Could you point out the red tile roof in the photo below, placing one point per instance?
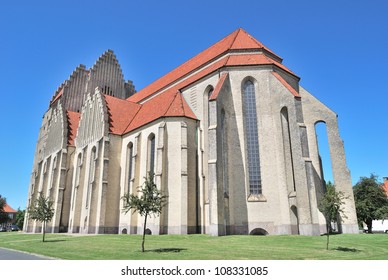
(121, 113)
(385, 187)
(232, 45)
(218, 87)
(126, 116)
(168, 104)
(9, 209)
(73, 122)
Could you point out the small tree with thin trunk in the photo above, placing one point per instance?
(331, 207)
(41, 210)
(150, 201)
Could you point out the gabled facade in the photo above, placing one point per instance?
(229, 134)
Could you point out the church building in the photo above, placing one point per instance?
(229, 136)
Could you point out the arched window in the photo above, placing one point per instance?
(92, 173)
(208, 104)
(252, 137)
(77, 178)
(53, 167)
(129, 164)
(287, 146)
(224, 150)
(151, 154)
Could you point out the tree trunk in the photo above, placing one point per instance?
(369, 224)
(44, 229)
(328, 235)
(144, 232)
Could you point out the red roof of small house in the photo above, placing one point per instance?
(9, 209)
(237, 49)
(385, 186)
(73, 122)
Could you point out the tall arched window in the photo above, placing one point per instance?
(288, 157)
(151, 154)
(77, 178)
(224, 153)
(252, 137)
(208, 105)
(92, 173)
(129, 164)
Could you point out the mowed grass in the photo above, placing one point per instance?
(200, 247)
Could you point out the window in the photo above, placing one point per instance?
(252, 137)
(224, 153)
(129, 164)
(54, 166)
(77, 178)
(151, 154)
(208, 105)
(92, 171)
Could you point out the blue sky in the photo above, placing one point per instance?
(338, 48)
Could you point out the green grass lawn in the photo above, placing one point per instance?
(200, 247)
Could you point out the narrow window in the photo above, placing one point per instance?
(151, 154)
(53, 167)
(129, 164)
(208, 105)
(287, 146)
(77, 179)
(252, 137)
(92, 171)
(224, 153)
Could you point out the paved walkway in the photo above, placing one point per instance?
(6, 254)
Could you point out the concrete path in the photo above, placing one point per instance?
(6, 254)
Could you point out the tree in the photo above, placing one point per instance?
(3, 216)
(331, 207)
(149, 201)
(20, 217)
(371, 200)
(41, 210)
(3, 202)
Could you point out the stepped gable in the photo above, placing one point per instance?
(74, 85)
(121, 113)
(237, 49)
(73, 119)
(106, 74)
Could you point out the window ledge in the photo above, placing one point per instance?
(257, 198)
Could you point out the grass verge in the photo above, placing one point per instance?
(200, 247)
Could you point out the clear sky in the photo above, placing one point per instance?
(338, 48)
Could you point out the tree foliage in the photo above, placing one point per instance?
(3, 202)
(41, 210)
(3, 216)
(149, 201)
(20, 217)
(331, 207)
(371, 200)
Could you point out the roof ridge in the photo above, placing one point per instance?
(134, 116)
(172, 102)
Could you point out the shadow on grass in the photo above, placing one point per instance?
(344, 249)
(55, 240)
(166, 250)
